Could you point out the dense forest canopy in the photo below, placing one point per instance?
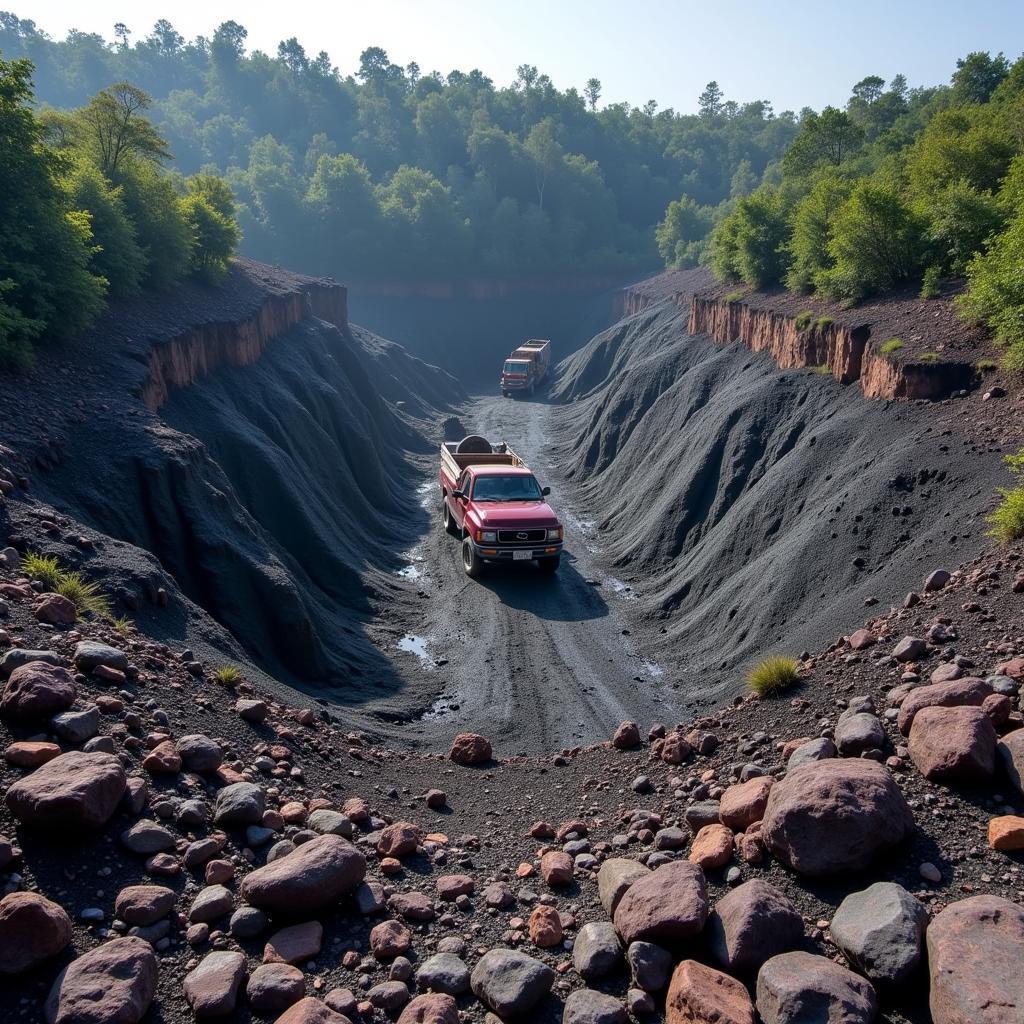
(387, 170)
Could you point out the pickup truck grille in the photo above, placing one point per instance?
(521, 536)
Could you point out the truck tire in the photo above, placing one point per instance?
(471, 561)
(549, 566)
(447, 519)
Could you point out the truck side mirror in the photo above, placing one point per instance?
(545, 491)
(458, 494)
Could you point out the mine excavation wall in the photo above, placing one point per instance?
(193, 355)
(847, 351)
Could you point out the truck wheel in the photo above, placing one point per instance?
(447, 520)
(471, 561)
(549, 566)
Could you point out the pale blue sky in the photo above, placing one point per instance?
(792, 52)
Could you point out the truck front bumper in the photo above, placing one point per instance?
(508, 552)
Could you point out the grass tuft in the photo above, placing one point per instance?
(734, 296)
(803, 320)
(986, 365)
(228, 675)
(121, 623)
(84, 595)
(821, 368)
(928, 357)
(44, 568)
(822, 322)
(1007, 522)
(774, 674)
(892, 345)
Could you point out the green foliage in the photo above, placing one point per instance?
(887, 348)
(122, 623)
(877, 242)
(822, 322)
(44, 568)
(822, 369)
(804, 319)
(930, 283)
(986, 365)
(812, 231)
(977, 76)
(773, 675)
(749, 244)
(114, 131)
(995, 296)
(85, 595)
(735, 295)
(208, 207)
(1007, 521)
(165, 235)
(46, 285)
(228, 675)
(830, 138)
(680, 236)
(928, 357)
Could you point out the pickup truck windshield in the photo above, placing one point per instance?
(506, 488)
(516, 365)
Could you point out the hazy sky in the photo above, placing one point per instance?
(791, 52)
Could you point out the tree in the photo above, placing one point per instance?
(46, 286)
(544, 151)
(960, 221)
(877, 242)
(680, 236)
(829, 137)
(709, 103)
(292, 55)
(208, 207)
(116, 130)
(977, 76)
(163, 233)
(813, 220)
(526, 77)
(122, 32)
(743, 181)
(227, 47)
(868, 89)
(592, 91)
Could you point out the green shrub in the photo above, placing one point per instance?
(1007, 521)
(83, 594)
(228, 675)
(985, 365)
(892, 345)
(122, 623)
(735, 296)
(928, 357)
(803, 320)
(749, 244)
(822, 368)
(930, 283)
(773, 675)
(822, 322)
(44, 568)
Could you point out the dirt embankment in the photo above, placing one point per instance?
(254, 444)
(897, 347)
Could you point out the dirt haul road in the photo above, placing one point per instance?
(535, 663)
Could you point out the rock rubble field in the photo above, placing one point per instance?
(176, 845)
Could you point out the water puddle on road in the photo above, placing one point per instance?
(413, 569)
(654, 670)
(620, 589)
(417, 645)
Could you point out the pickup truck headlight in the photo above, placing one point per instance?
(486, 537)
(555, 534)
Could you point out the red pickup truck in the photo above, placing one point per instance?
(493, 502)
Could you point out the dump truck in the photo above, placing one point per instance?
(526, 368)
(492, 502)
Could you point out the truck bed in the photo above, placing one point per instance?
(455, 463)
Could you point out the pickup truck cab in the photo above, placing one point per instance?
(491, 499)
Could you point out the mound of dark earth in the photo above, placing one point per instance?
(243, 445)
(756, 510)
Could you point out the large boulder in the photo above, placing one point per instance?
(974, 957)
(752, 923)
(702, 995)
(435, 1008)
(510, 982)
(469, 748)
(969, 692)
(74, 791)
(241, 803)
(32, 929)
(744, 803)
(596, 951)
(801, 988)
(90, 654)
(666, 905)
(953, 744)
(111, 984)
(309, 878)
(37, 690)
(879, 930)
(144, 904)
(1011, 753)
(211, 989)
(616, 875)
(838, 815)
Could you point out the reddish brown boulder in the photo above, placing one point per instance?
(390, 939)
(163, 759)
(1006, 832)
(143, 904)
(665, 905)
(961, 692)
(711, 847)
(314, 875)
(212, 988)
(75, 791)
(32, 929)
(702, 995)
(114, 982)
(626, 736)
(743, 804)
(545, 927)
(296, 944)
(953, 744)
(37, 690)
(826, 817)
(433, 1008)
(275, 987)
(469, 748)
(974, 957)
(31, 753)
(676, 749)
(311, 1011)
(55, 609)
(451, 887)
(398, 840)
(752, 923)
(556, 867)
(862, 638)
